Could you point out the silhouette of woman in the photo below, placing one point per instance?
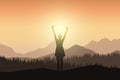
(59, 53)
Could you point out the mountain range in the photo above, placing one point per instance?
(104, 46)
(75, 50)
(41, 51)
(8, 51)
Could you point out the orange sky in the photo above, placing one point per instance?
(26, 24)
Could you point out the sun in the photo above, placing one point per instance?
(60, 28)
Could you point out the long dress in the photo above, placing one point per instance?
(59, 49)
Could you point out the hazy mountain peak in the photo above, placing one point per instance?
(76, 45)
(92, 41)
(1, 45)
(104, 46)
(8, 51)
(104, 40)
(77, 50)
(42, 51)
(114, 40)
(51, 45)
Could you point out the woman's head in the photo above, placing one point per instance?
(59, 36)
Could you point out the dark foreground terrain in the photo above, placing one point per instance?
(84, 73)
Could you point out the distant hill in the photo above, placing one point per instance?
(41, 51)
(104, 46)
(8, 51)
(77, 50)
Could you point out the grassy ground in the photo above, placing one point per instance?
(84, 73)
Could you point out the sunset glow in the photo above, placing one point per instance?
(25, 25)
(60, 29)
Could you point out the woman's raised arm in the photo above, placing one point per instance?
(54, 32)
(65, 33)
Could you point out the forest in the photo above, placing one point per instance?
(17, 64)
